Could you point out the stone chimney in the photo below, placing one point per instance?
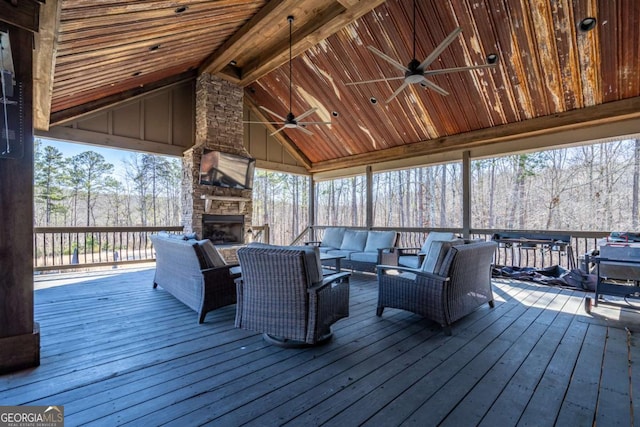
(219, 115)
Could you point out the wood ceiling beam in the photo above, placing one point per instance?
(280, 136)
(329, 20)
(44, 62)
(575, 119)
(303, 38)
(336, 17)
(60, 117)
(23, 14)
(221, 58)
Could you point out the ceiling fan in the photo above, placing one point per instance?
(291, 121)
(416, 72)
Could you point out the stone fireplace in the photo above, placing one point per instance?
(219, 115)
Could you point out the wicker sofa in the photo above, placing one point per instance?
(194, 273)
(451, 283)
(362, 250)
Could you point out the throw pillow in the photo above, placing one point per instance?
(437, 252)
(435, 235)
(214, 259)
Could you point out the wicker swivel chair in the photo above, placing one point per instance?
(461, 284)
(284, 295)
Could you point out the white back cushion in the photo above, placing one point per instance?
(435, 235)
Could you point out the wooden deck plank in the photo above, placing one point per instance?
(365, 340)
(160, 377)
(381, 394)
(614, 400)
(115, 349)
(474, 405)
(580, 401)
(434, 410)
(424, 382)
(544, 406)
(515, 396)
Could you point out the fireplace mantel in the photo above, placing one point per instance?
(209, 198)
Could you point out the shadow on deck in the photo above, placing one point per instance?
(115, 351)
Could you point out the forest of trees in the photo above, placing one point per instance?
(82, 190)
(587, 188)
(591, 188)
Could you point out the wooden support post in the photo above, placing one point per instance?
(369, 178)
(312, 207)
(19, 334)
(466, 194)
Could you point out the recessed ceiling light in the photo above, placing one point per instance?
(154, 47)
(492, 58)
(136, 74)
(181, 9)
(373, 100)
(335, 113)
(233, 62)
(587, 24)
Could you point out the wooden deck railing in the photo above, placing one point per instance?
(63, 248)
(539, 256)
(58, 248)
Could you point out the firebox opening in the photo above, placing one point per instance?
(223, 229)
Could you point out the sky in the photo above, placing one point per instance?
(113, 156)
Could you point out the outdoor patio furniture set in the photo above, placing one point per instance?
(284, 292)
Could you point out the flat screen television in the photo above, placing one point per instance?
(226, 170)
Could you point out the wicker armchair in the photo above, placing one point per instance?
(462, 283)
(283, 294)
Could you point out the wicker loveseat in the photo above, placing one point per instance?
(458, 283)
(362, 249)
(194, 273)
(284, 295)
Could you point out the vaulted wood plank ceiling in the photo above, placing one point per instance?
(548, 72)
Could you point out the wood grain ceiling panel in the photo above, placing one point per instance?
(546, 67)
(107, 47)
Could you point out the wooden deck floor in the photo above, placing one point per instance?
(115, 351)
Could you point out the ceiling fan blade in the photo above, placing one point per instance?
(273, 114)
(441, 47)
(405, 84)
(271, 123)
(458, 69)
(315, 123)
(279, 130)
(306, 113)
(434, 87)
(387, 58)
(386, 79)
(308, 132)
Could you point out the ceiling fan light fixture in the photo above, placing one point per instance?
(587, 24)
(291, 121)
(492, 58)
